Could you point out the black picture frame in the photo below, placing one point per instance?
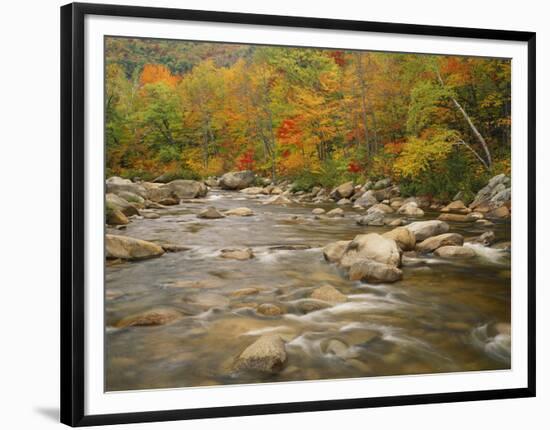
(73, 212)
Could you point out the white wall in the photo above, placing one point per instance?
(29, 238)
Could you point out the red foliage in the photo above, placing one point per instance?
(246, 160)
(354, 167)
(338, 57)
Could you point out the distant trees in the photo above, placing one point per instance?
(293, 112)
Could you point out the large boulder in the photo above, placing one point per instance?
(387, 193)
(404, 238)
(129, 248)
(455, 252)
(501, 212)
(116, 217)
(372, 271)
(410, 209)
(115, 202)
(374, 247)
(496, 193)
(366, 200)
(343, 191)
(187, 189)
(115, 185)
(432, 243)
(457, 206)
(424, 229)
(159, 193)
(267, 354)
(334, 251)
(237, 180)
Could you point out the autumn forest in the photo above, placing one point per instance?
(437, 124)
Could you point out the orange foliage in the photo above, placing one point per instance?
(153, 73)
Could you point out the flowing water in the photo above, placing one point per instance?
(439, 318)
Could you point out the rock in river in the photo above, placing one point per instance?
(366, 200)
(186, 189)
(374, 219)
(152, 317)
(318, 211)
(337, 212)
(328, 293)
(404, 238)
(410, 209)
(455, 252)
(334, 251)
(210, 213)
(116, 202)
(269, 309)
(267, 354)
(128, 248)
(278, 199)
(453, 217)
(237, 180)
(446, 239)
(116, 217)
(424, 229)
(239, 212)
(374, 247)
(237, 253)
(372, 271)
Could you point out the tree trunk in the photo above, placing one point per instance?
(477, 134)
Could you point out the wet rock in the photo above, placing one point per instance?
(410, 209)
(113, 201)
(404, 238)
(150, 215)
(387, 193)
(267, 354)
(132, 198)
(453, 217)
(210, 213)
(397, 202)
(237, 253)
(380, 208)
(455, 252)
(269, 309)
(343, 202)
(337, 212)
(339, 348)
(424, 229)
(371, 246)
(171, 247)
(128, 248)
(169, 201)
(158, 193)
(343, 191)
(211, 182)
(396, 222)
(506, 246)
(372, 271)
(239, 212)
(237, 180)
(278, 200)
(373, 219)
(250, 291)
(366, 200)
(334, 251)
(473, 216)
(152, 317)
(446, 239)
(311, 305)
(187, 189)
(493, 195)
(486, 239)
(318, 211)
(484, 223)
(327, 293)
(276, 190)
(253, 191)
(116, 217)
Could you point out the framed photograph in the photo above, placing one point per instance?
(270, 214)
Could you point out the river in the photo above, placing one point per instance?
(439, 318)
